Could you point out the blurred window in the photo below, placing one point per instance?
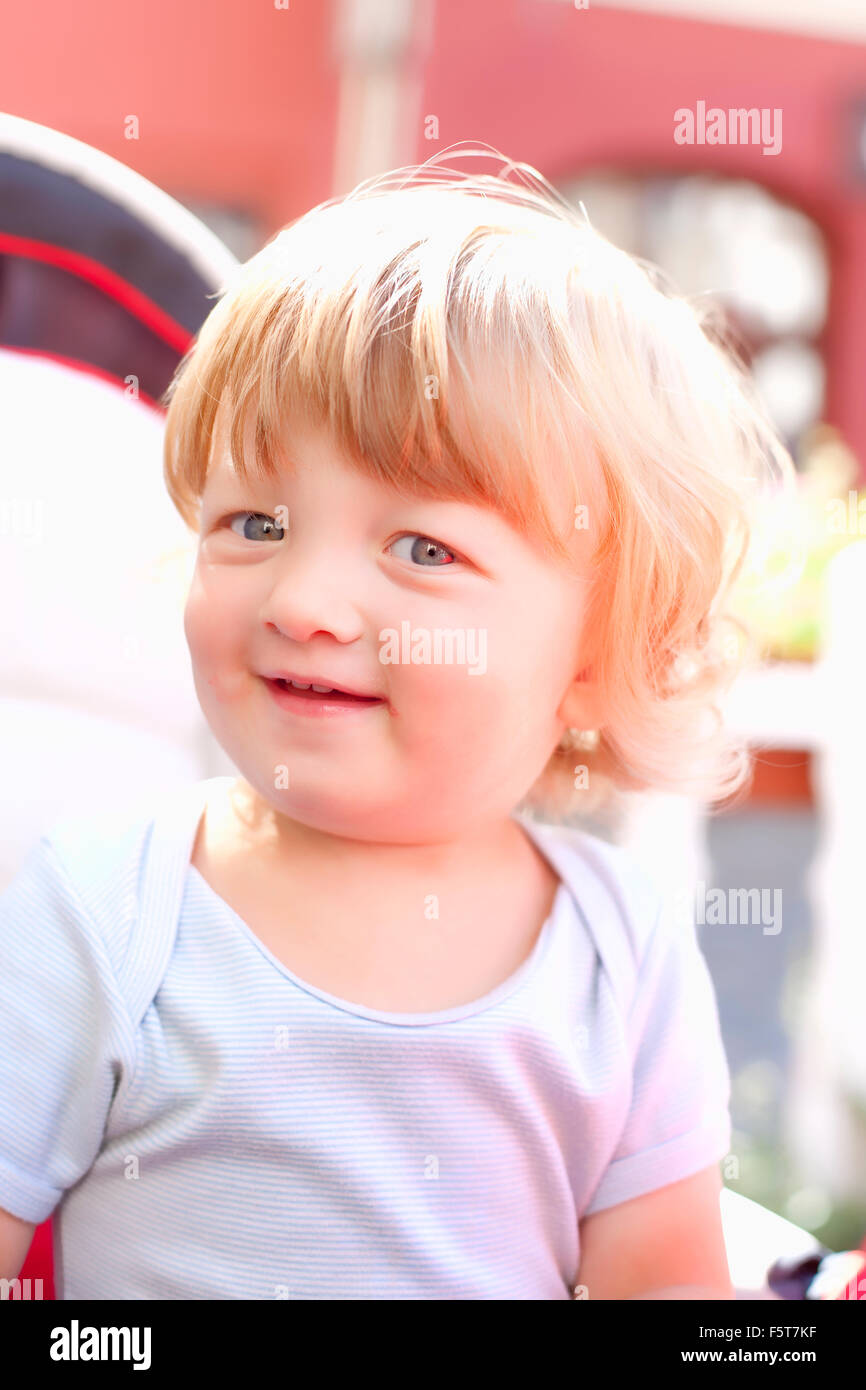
(762, 259)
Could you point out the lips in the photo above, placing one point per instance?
(332, 696)
(333, 688)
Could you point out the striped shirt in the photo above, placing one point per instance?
(204, 1124)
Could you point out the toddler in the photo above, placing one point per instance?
(375, 1019)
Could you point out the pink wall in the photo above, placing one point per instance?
(236, 100)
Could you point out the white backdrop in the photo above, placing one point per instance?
(97, 702)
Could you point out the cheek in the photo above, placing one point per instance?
(518, 688)
(484, 675)
(213, 639)
(198, 622)
(464, 705)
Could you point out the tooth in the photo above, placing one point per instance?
(323, 689)
(299, 685)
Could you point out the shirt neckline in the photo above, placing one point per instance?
(473, 1006)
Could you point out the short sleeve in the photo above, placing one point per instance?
(65, 1036)
(679, 1117)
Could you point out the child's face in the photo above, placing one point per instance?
(455, 743)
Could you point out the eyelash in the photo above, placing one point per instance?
(420, 535)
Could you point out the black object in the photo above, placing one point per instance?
(99, 268)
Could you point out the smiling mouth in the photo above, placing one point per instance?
(332, 697)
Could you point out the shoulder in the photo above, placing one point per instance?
(66, 921)
(96, 849)
(618, 901)
(93, 867)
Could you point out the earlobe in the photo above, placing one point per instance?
(579, 740)
(579, 709)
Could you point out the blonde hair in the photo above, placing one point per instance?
(472, 338)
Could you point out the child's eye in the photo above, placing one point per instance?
(270, 529)
(425, 550)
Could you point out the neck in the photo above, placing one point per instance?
(284, 841)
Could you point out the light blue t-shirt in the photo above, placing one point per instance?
(204, 1124)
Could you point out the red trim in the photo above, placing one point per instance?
(87, 368)
(136, 303)
(39, 1261)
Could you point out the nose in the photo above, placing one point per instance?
(311, 591)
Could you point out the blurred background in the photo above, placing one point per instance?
(724, 140)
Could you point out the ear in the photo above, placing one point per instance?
(580, 707)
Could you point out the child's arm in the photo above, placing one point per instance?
(15, 1239)
(68, 1041)
(666, 1244)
